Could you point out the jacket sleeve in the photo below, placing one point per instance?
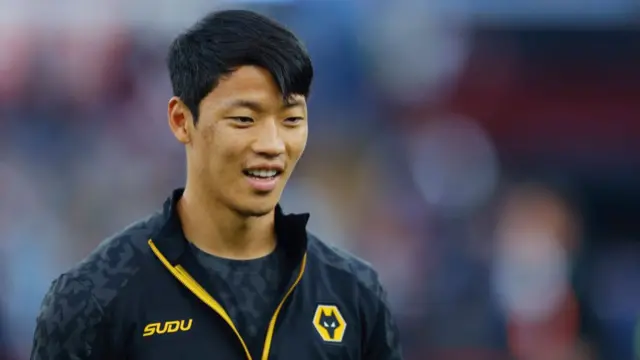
(71, 324)
(383, 342)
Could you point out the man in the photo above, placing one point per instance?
(220, 272)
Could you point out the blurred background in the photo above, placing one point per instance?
(484, 155)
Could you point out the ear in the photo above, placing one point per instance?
(180, 119)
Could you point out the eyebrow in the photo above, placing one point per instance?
(257, 107)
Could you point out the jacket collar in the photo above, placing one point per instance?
(170, 239)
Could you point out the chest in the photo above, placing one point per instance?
(173, 322)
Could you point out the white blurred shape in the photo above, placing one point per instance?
(454, 164)
(531, 275)
(418, 48)
(87, 17)
(14, 13)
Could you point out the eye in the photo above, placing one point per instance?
(244, 120)
(293, 120)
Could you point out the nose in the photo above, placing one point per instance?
(269, 142)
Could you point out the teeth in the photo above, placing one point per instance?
(263, 173)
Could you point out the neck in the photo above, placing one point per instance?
(220, 231)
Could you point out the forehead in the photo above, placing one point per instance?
(247, 84)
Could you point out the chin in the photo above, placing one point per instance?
(256, 208)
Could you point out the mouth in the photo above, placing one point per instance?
(263, 180)
(262, 174)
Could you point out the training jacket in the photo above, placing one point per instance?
(139, 295)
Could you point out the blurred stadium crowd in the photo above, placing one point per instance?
(487, 165)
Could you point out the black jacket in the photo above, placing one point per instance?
(139, 296)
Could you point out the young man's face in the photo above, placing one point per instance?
(246, 142)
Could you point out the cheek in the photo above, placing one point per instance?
(297, 144)
(217, 152)
(224, 155)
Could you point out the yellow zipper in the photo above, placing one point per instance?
(190, 283)
(274, 318)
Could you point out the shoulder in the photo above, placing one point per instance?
(76, 314)
(345, 266)
(100, 277)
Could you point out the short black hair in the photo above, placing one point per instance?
(225, 40)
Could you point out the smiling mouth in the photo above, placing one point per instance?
(262, 174)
